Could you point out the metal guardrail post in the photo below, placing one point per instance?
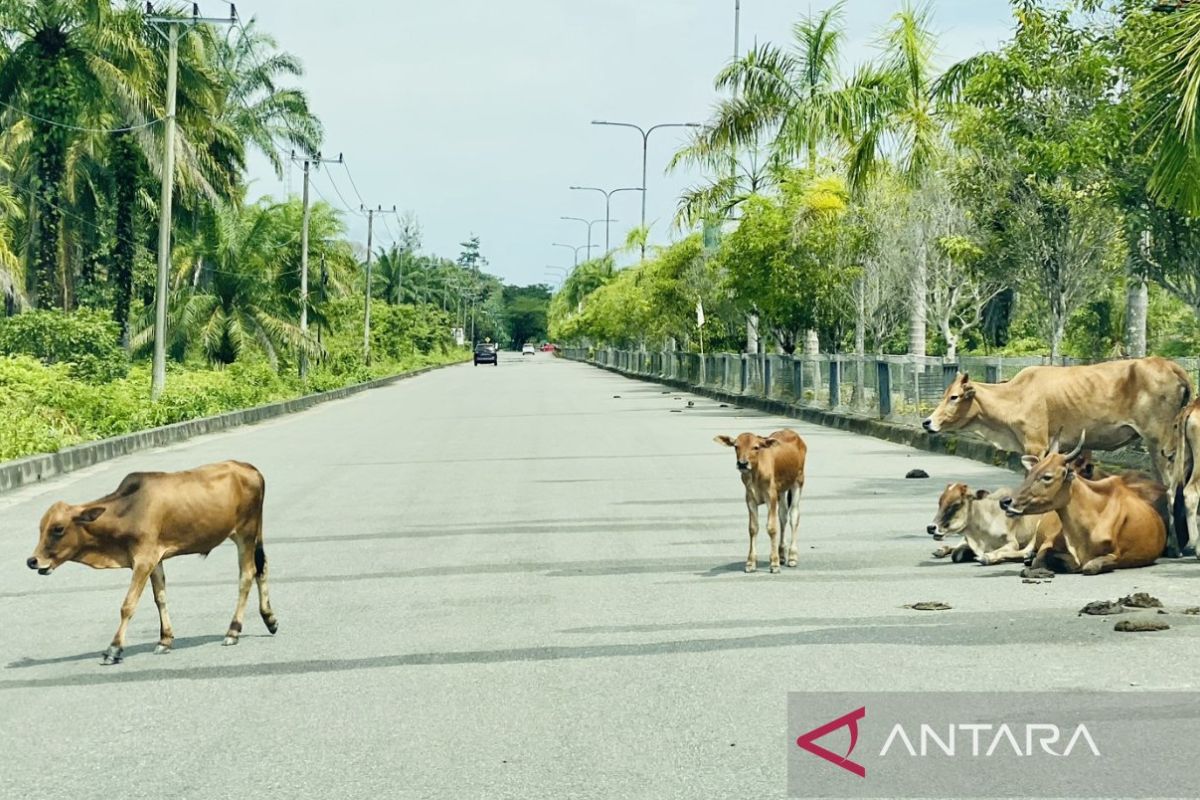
(991, 373)
(835, 383)
(949, 373)
(884, 388)
(767, 376)
(745, 372)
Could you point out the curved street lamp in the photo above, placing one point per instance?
(645, 132)
(608, 193)
(575, 249)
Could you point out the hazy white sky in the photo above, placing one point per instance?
(474, 114)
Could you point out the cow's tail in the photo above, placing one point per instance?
(1185, 380)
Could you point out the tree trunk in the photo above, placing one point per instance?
(752, 333)
(1137, 301)
(124, 251)
(1056, 337)
(916, 319)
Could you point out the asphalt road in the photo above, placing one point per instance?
(505, 582)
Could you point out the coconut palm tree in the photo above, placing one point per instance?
(892, 112)
(788, 98)
(1172, 110)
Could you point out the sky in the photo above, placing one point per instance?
(474, 115)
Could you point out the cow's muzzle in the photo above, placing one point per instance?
(743, 466)
(1006, 505)
(932, 530)
(33, 563)
(927, 424)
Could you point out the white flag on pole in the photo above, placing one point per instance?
(699, 314)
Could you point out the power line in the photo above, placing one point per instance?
(345, 205)
(353, 184)
(55, 123)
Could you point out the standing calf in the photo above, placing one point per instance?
(1182, 453)
(772, 470)
(153, 516)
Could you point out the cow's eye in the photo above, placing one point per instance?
(1047, 478)
(953, 398)
(57, 532)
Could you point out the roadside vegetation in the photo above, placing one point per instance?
(1037, 199)
(82, 104)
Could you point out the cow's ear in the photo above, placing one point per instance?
(981, 494)
(1030, 462)
(966, 379)
(89, 515)
(769, 442)
(725, 440)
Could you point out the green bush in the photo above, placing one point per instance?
(88, 341)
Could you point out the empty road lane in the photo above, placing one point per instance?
(525, 581)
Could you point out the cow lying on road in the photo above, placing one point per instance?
(989, 535)
(1116, 402)
(772, 470)
(153, 516)
(1106, 524)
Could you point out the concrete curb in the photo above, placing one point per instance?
(961, 446)
(33, 469)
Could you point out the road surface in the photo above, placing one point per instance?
(508, 582)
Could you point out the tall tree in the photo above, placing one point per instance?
(893, 114)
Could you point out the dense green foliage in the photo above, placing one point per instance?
(1034, 199)
(88, 342)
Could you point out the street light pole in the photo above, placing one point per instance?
(589, 224)
(608, 206)
(645, 132)
(575, 249)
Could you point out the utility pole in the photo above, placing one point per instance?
(158, 378)
(371, 212)
(307, 162)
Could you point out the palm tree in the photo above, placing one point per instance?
(237, 304)
(789, 98)
(69, 57)
(256, 106)
(892, 110)
(393, 266)
(1172, 110)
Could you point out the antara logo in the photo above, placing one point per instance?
(808, 741)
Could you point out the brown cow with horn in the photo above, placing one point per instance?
(1106, 524)
(1117, 402)
(153, 516)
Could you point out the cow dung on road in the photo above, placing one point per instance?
(917, 473)
(1101, 607)
(1140, 600)
(1140, 626)
(929, 605)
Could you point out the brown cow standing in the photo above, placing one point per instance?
(1117, 402)
(1106, 524)
(772, 470)
(153, 516)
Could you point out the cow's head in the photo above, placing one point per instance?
(747, 447)
(64, 532)
(953, 509)
(1047, 485)
(957, 407)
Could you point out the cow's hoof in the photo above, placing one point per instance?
(751, 567)
(162, 649)
(273, 626)
(984, 561)
(113, 655)
(1190, 550)
(774, 568)
(230, 641)
(792, 562)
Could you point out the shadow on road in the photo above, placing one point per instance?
(182, 643)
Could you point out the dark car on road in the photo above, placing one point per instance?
(486, 354)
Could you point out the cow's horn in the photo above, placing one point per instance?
(1079, 447)
(1054, 443)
